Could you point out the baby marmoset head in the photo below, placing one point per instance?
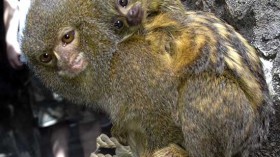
(129, 16)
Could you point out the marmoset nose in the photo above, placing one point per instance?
(135, 15)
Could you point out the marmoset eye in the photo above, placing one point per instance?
(45, 57)
(68, 37)
(118, 24)
(123, 3)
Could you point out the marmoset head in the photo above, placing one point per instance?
(67, 46)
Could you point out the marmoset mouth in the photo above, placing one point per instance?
(76, 65)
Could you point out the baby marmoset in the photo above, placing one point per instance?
(126, 16)
(168, 30)
(188, 37)
(193, 42)
(195, 97)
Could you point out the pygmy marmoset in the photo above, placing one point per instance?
(198, 97)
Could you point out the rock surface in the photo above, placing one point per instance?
(259, 22)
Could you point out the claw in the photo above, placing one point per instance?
(105, 142)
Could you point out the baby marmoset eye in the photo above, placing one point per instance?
(122, 28)
(118, 24)
(123, 3)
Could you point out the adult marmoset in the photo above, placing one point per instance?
(155, 99)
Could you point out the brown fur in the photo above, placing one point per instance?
(200, 86)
